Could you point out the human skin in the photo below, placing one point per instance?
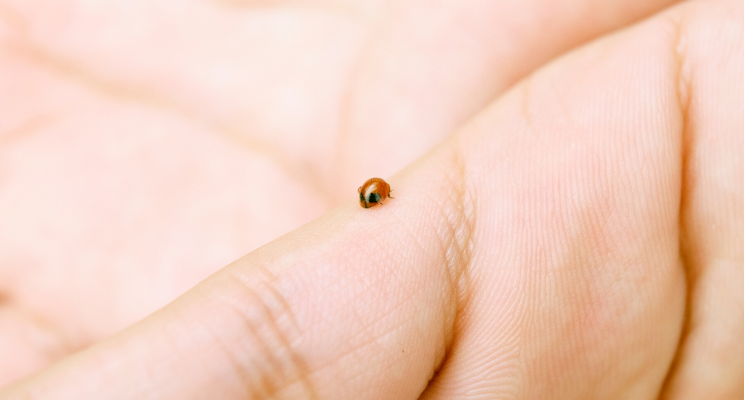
(568, 216)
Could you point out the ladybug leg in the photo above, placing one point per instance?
(391, 191)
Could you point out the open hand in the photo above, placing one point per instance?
(568, 219)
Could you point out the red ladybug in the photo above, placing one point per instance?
(373, 192)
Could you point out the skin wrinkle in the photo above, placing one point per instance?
(140, 95)
(462, 225)
(13, 19)
(684, 93)
(55, 343)
(457, 255)
(267, 277)
(244, 379)
(284, 305)
(334, 7)
(257, 386)
(298, 366)
(694, 266)
(451, 265)
(25, 129)
(72, 72)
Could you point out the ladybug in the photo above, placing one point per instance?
(373, 192)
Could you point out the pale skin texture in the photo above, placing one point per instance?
(568, 219)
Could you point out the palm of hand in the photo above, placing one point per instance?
(147, 156)
(175, 139)
(150, 146)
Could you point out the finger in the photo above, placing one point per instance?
(577, 288)
(428, 68)
(358, 304)
(711, 361)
